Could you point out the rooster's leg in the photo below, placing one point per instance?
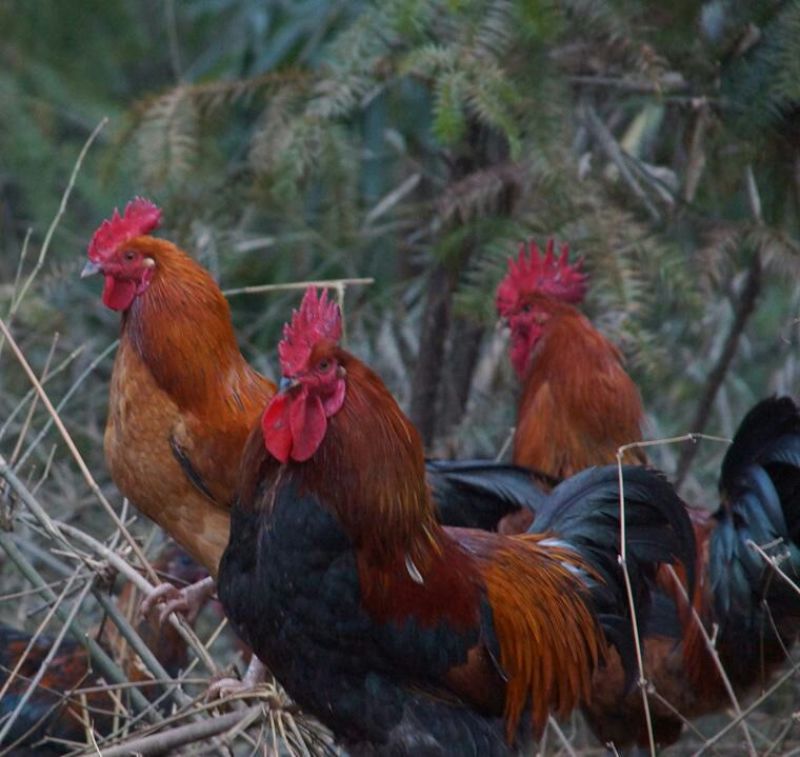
(166, 599)
(224, 687)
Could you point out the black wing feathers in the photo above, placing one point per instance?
(479, 493)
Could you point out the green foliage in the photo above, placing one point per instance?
(762, 83)
(382, 139)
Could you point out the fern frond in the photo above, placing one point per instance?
(497, 30)
(427, 60)
(481, 193)
(493, 99)
(787, 55)
(352, 62)
(168, 138)
(449, 119)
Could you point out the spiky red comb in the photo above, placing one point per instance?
(140, 217)
(318, 318)
(534, 273)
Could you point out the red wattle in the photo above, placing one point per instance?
(308, 423)
(118, 294)
(275, 428)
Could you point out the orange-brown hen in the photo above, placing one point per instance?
(182, 396)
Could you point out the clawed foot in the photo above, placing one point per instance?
(166, 599)
(225, 687)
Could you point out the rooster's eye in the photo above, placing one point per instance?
(129, 255)
(323, 365)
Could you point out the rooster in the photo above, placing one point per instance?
(578, 404)
(53, 713)
(50, 712)
(404, 636)
(576, 392)
(183, 398)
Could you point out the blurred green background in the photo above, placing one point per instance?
(418, 143)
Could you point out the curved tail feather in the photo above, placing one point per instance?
(760, 505)
(584, 511)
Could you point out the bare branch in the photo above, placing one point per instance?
(744, 309)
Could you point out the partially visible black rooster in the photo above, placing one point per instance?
(53, 714)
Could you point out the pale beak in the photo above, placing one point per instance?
(287, 383)
(90, 269)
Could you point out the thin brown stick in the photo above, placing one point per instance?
(642, 681)
(31, 393)
(747, 711)
(57, 531)
(107, 666)
(622, 559)
(32, 591)
(653, 692)
(143, 585)
(773, 563)
(67, 396)
(615, 154)
(160, 743)
(506, 444)
(712, 650)
(32, 409)
(12, 674)
(562, 737)
(332, 283)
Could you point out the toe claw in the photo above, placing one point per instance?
(179, 605)
(223, 688)
(164, 593)
(254, 676)
(165, 599)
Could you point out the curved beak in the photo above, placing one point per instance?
(90, 269)
(287, 383)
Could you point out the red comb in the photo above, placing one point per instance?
(140, 217)
(533, 273)
(317, 318)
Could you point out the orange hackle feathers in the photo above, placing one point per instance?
(578, 403)
(182, 329)
(396, 494)
(534, 273)
(550, 642)
(139, 217)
